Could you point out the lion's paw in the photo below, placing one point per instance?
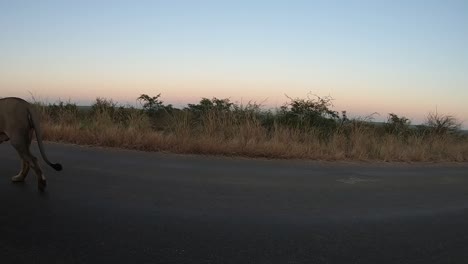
(18, 178)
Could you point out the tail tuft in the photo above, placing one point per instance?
(56, 166)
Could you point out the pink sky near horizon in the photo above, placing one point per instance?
(356, 88)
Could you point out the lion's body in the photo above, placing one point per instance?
(18, 121)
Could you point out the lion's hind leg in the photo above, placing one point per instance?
(23, 173)
(32, 162)
(22, 143)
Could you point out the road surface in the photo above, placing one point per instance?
(118, 206)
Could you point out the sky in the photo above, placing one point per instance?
(407, 57)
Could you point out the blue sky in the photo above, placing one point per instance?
(407, 57)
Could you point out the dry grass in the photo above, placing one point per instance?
(227, 134)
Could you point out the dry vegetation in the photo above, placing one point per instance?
(302, 128)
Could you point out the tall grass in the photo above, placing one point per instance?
(218, 127)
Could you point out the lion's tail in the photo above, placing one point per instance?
(37, 129)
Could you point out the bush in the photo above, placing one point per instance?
(107, 112)
(151, 105)
(399, 126)
(64, 112)
(205, 105)
(103, 106)
(311, 113)
(440, 124)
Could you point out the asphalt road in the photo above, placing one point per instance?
(117, 206)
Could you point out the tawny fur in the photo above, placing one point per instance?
(18, 121)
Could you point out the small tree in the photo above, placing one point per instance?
(205, 105)
(441, 124)
(397, 125)
(151, 105)
(103, 105)
(311, 112)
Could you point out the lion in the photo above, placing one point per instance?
(18, 120)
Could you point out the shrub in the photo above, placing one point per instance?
(64, 112)
(205, 105)
(311, 113)
(399, 126)
(103, 106)
(151, 105)
(441, 124)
